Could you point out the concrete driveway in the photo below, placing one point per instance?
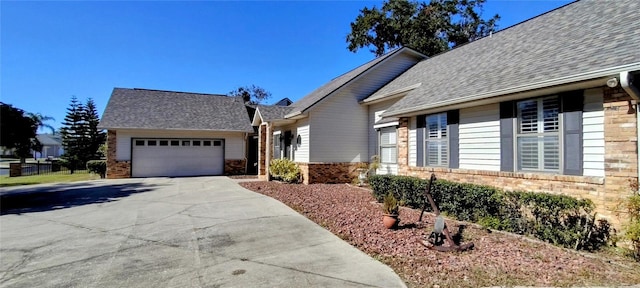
(170, 232)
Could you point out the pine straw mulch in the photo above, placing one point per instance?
(498, 258)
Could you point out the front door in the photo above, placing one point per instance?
(252, 156)
(287, 145)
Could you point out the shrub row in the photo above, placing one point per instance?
(558, 219)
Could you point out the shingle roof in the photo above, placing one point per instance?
(585, 36)
(273, 112)
(323, 91)
(49, 139)
(154, 109)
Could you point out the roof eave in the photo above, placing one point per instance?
(362, 74)
(257, 116)
(177, 129)
(529, 90)
(391, 95)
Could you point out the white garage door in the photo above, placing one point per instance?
(177, 157)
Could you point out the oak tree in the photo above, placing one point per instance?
(430, 28)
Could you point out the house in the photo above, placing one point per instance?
(549, 105)
(164, 133)
(51, 146)
(327, 131)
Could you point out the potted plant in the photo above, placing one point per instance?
(391, 211)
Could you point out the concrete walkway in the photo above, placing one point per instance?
(170, 232)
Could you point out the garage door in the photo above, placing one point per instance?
(177, 157)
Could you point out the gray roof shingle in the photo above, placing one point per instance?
(323, 91)
(154, 109)
(585, 36)
(49, 139)
(273, 112)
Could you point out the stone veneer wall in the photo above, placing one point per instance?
(328, 172)
(115, 169)
(620, 164)
(235, 166)
(262, 152)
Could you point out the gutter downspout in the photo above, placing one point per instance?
(628, 85)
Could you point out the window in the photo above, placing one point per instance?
(196, 142)
(206, 143)
(139, 142)
(151, 143)
(538, 135)
(276, 146)
(164, 143)
(436, 140)
(175, 143)
(186, 143)
(388, 151)
(217, 143)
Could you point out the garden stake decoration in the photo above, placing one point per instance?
(440, 227)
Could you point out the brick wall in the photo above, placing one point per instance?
(15, 169)
(620, 164)
(620, 144)
(262, 140)
(234, 166)
(115, 169)
(328, 172)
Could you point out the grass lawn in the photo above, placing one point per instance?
(6, 181)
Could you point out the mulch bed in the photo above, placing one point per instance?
(497, 259)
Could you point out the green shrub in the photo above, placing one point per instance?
(632, 227)
(554, 218)
(97, 166)
(285, 170)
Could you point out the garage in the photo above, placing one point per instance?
(176, 157)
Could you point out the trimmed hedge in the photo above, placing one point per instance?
(558, 219)
(97, 166)
(285, 170)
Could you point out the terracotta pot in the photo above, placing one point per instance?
(390, 221)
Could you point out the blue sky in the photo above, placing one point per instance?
(52, 50)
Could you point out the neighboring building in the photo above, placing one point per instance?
(284, 102)
(163, 133)
(51, 146)
(550, 105)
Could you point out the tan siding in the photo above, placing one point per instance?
(480, 138)
(302, 151)
(593, 133)
(413, 152)
(339, 131)
(340, 123)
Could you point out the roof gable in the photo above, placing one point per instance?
(155, 109)
(49, 139)
(582, 37)
(266, 113)
(327, 89)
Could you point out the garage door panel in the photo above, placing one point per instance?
(149, 161)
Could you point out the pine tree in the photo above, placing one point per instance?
(74, 135)
(95, 136)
